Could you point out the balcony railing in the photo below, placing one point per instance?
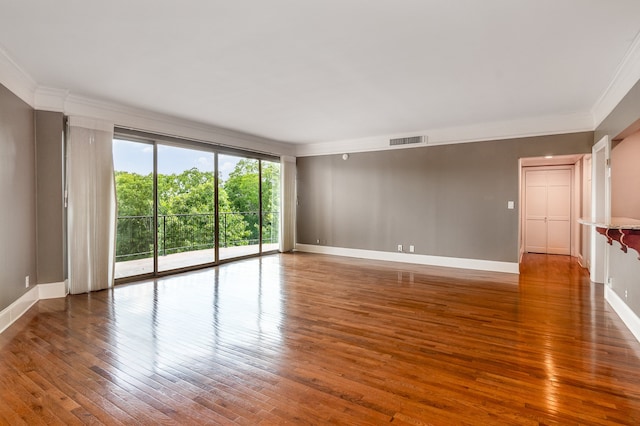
(190, 232)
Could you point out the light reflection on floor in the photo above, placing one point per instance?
(227, 310)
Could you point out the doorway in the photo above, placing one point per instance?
(547, 210)
(575, 164)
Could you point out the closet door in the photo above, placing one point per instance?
(548, 211)
(559, 212)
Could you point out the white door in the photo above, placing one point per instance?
(548, 211)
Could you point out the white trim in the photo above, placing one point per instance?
(555, 125)
(626, 76)
(139, 119)
(419, 259)
(50, 99)
(14, 311)
(52, 290)
(625, 313)
(600, 208)
(581, 261)
(14, 78)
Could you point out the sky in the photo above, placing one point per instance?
(136, 157)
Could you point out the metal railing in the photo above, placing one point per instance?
(180, 233)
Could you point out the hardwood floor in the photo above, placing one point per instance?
(311, 339)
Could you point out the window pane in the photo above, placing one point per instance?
(186, 210)
(270, 205)
(238, 204)
(133, 165)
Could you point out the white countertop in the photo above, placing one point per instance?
(612, 223)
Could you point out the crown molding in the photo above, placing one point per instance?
(17, 80)
(50, 99)
(626, 76)
(554, 125)
(140, 119)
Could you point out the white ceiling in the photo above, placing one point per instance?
(327, 70)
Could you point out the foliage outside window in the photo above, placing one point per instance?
(186, 210)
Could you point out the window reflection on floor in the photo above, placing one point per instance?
(231, 308)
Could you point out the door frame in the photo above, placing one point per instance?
(600, 208)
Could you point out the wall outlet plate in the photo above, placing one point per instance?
(400, 247)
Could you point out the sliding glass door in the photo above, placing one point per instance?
(238, 200)
(270, 195)
(186, 207)
(135, 231)
(183, 205)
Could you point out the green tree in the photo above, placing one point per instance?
(270, 202)
(186, 219)
(186, 209)
(233, 229)
(134, 195)
(242, 186)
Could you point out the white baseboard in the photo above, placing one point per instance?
(625, 313)
(10, 314)
(52, 290)
(420, 259)
(582, 262)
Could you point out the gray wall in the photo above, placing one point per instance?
(624, 268)
(50, 196)
(448, 200)
(17, 197)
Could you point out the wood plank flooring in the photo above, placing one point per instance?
(311, 339)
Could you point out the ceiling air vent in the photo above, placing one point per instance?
(407, 141)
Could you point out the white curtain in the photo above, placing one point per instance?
(287, 203)
(91, 210)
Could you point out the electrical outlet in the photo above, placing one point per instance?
(412, 249)
(626, 294)
(317, 241)
(400, 247)
(26, 281)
